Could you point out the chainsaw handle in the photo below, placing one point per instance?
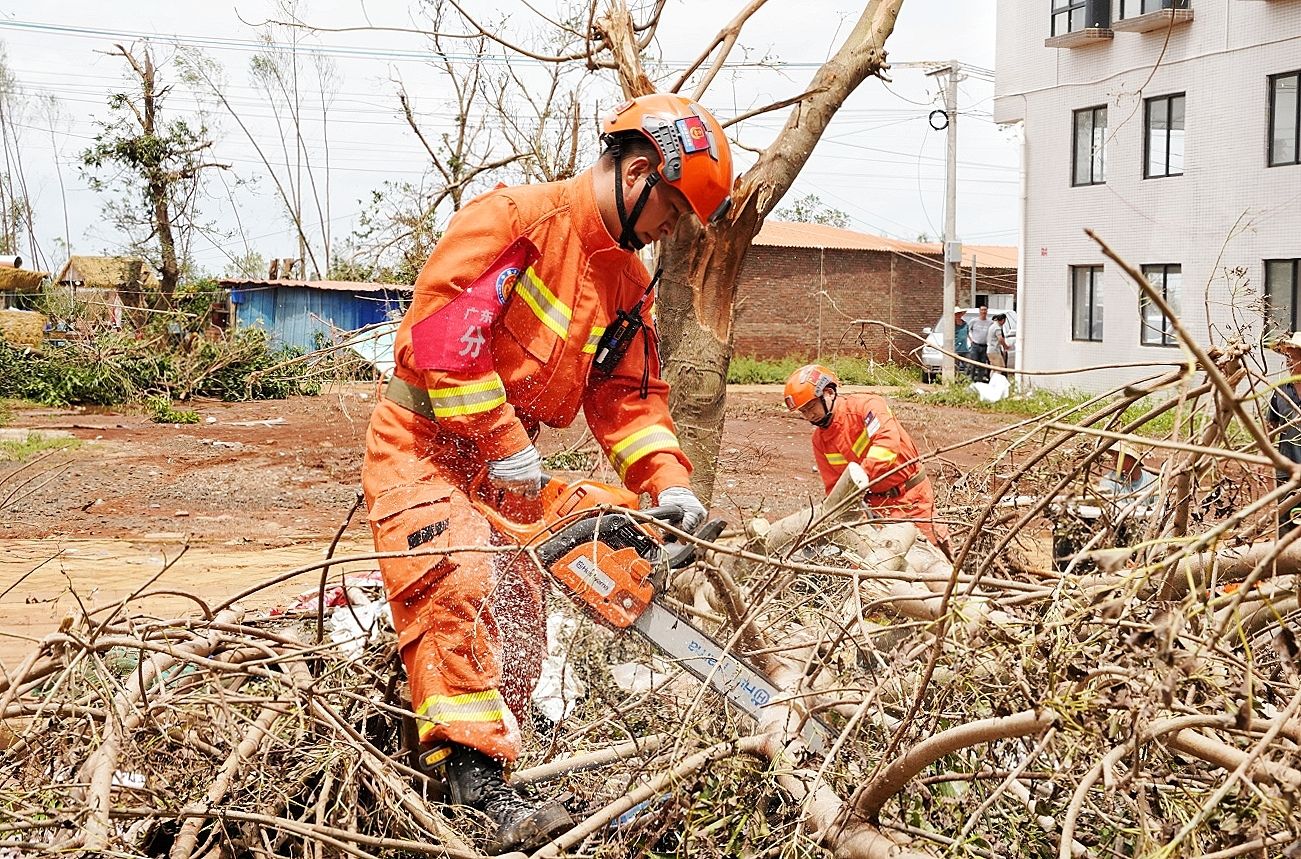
(521, 532)
(670, 513)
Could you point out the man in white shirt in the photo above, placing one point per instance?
(978, 341)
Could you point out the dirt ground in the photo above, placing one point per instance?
(260, 488)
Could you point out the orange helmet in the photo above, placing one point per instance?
(807, 384)
(697, 159)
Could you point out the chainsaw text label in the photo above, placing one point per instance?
(757, 694)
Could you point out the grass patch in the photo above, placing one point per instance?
(1033, 404)
(1068, 406)
(20, 451)
(161, 412)
(852, 371)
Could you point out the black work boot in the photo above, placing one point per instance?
(476, 781)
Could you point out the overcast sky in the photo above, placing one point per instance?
(880, 162)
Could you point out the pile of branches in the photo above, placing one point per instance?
(976, 712)
(1139, 696)
(113, 367)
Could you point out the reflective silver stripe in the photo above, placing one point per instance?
(468, 399)
(645, 441)
(545, 305)
(598, 331)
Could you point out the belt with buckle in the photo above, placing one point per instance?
(916, 480)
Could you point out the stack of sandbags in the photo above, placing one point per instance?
(22, 327)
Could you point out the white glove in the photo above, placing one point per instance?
(521, 472)
(693, 512)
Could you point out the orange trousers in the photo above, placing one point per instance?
(471, 625)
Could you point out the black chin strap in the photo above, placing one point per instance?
(826, 419)
(628, 220)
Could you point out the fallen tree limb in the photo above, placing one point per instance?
(868, 800)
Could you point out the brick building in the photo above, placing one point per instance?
(802, 286)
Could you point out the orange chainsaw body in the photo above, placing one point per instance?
(602, 557)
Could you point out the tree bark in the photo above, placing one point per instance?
(697, 291)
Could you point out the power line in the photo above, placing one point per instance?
(397, 54)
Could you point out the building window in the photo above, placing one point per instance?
(1133, 8)
(1282, 277)
(1086, 302)
(1068, 16)
(1164, 120)
(1088, 145)
(1284, 119)
(1157, 329)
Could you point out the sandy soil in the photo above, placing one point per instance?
(260, 488)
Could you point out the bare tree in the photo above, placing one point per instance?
(539, 120)
(464, 153)
(401, 222)
(396, 231)
(16, 222)
(538, 109)
(280, 72)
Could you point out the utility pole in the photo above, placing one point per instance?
(952, 247)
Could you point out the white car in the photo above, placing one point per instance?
(932, 359)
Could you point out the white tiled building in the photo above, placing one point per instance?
(1170, 127)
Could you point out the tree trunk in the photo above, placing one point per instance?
(169, 272)
(698, 290)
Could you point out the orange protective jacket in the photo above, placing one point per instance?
(471, 625)
(863, 429)
(544, 337)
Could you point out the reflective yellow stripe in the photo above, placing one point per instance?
(546, 306)
(835, 459)
(644, 441)
(468, 399)
(860, 443)
(483, 706)
(881, 454)
(594, 338)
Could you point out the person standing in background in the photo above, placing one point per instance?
(978, 337)
(961, 345)
(996, 343)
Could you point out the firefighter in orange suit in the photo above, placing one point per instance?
(534, 305)
(861, 428)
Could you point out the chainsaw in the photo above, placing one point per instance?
(615, 566)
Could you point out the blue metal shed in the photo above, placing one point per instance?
(295, 312)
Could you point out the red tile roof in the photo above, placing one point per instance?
(788, 234)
